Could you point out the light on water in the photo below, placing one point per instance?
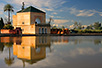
(51, 52)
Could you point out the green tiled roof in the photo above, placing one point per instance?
(31, 9)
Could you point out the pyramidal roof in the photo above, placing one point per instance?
(31, 9)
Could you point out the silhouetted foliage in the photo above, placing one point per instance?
(97, 25)
(1, 47)
(1, 23)
(8, 26)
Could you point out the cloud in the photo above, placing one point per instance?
(84, 51)
(1, 8)
(54, 13)
(49, 9)
(1, 12)
(100, 13)
(59, 21)
(100, 50)
(62, 22)
(72, 20)
(51, 16)
(84, 13)
(63, 2)
(59, 17)
(72, 26)
(55, 17)
(48, 4)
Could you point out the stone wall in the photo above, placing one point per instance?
(5, 31)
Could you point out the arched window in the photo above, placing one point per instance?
(39, 30)
(45, 30)
(38, 21)
(42, 30)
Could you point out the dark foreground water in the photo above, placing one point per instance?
(51, 52)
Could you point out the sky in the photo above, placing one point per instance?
(64, 12)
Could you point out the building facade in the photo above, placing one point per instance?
(32, 21)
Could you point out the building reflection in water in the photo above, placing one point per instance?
(31, 49)
(59, 39)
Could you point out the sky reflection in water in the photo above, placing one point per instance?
(51, 52)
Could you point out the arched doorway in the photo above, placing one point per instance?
(38, 21)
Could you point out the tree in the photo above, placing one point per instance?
(79, 26)
(1, 47)
(8, 8)
(75, 24)
(8, 26)
(54, 27)
(50, 20)
(63, 27)
(97, 25)
(9, 60)
(97, 41)
(1, 23)
(89, 27)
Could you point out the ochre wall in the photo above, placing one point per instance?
(23, 17)
(14, 20)
(27, 29)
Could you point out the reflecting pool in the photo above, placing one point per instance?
(51, 52)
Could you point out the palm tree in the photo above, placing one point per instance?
(50, 20)
(9, 60)
(8, 8)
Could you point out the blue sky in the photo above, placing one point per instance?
(64, 12)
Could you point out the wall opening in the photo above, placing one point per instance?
(42, 30)
(38, 21)
(45, 30)
(39, 30)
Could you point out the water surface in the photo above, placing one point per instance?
(51, 52)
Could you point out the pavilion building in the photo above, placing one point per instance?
(32, 21)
